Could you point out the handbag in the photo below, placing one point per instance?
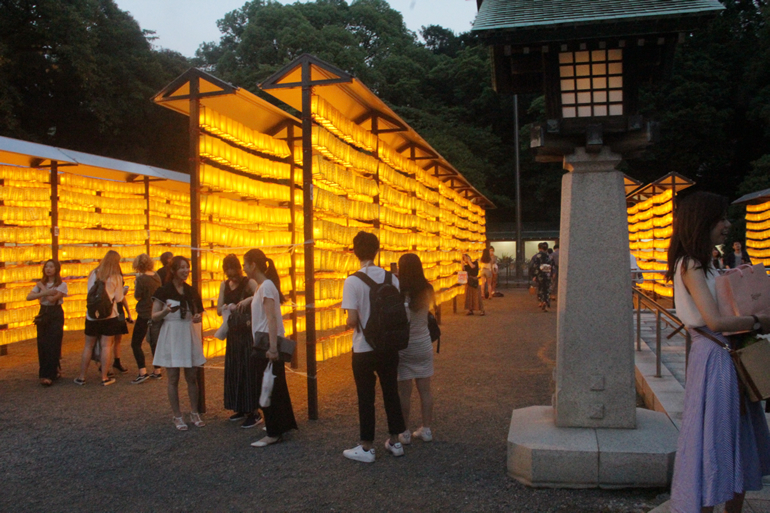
(433, 327)
(751, 364)
(462, 277)
(743, 291)
(268, 379)
(286, 346)
(473, 281)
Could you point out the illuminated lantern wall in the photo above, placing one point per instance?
(361, 183)
(95, 215)
(758, 233)
(650, 224)
(246, 202)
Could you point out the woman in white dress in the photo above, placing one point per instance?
(180, 343)
(415, 363)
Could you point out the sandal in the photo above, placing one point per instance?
(46, 382)
(179, 423)
(195, 418)
(482, 314)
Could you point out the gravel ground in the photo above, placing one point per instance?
(70, 448)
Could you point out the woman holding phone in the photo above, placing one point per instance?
(180, 345)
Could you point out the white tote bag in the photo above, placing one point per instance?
(267, 386)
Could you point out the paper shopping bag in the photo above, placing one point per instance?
(743, 291)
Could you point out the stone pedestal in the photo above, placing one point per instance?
(593, 435)
(595, 355)
(540, 454)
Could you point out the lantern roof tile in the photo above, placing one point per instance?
(522, 15)
(754, 197)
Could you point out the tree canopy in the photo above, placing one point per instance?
(79, 74)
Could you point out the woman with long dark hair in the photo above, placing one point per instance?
(724, 444)
(103, 330)
(50, 291)
(415, 363)
(241, 386)
(180, 345)
(266, 318)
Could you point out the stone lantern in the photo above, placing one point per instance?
(588, 58)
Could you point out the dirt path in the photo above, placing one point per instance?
(91, 448)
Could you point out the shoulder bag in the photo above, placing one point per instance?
(286, 346)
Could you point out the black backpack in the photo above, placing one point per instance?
(98, 302)
(388, 326)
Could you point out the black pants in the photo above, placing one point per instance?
(50, 330)
(279, 416)
(365, 366)
(140, 330)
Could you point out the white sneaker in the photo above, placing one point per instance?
(359, 454)
(423, 433)
(396, 449)
(405, 438)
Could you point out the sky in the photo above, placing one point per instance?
(182, 25)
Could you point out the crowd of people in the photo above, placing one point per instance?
(169, 313)
(724, 444)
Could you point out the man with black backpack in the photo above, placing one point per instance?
(377, 313)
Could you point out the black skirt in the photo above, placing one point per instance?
(279, 416)
(242, 388)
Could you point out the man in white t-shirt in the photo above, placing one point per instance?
(368, 364)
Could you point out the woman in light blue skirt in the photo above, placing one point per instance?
(724, 443)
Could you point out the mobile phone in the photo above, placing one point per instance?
(174, 308)
(394, 268)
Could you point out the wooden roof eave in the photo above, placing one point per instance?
(16, 152)
(359, 104)
(231, 101)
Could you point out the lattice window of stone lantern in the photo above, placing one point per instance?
(591, 83)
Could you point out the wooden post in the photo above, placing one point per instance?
(307, 207)
(293, 269)
(55, 210)
(195, 213)
(147, 212)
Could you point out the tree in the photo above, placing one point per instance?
(79, 74)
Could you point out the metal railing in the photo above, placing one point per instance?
(660, 312)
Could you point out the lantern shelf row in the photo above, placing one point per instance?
(650, 225)
(758, 233)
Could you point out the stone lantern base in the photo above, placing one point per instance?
(545, 456)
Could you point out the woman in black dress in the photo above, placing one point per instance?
(241, 386)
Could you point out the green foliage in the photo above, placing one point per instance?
(441, 86)
(79, 74)
(715, 109)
